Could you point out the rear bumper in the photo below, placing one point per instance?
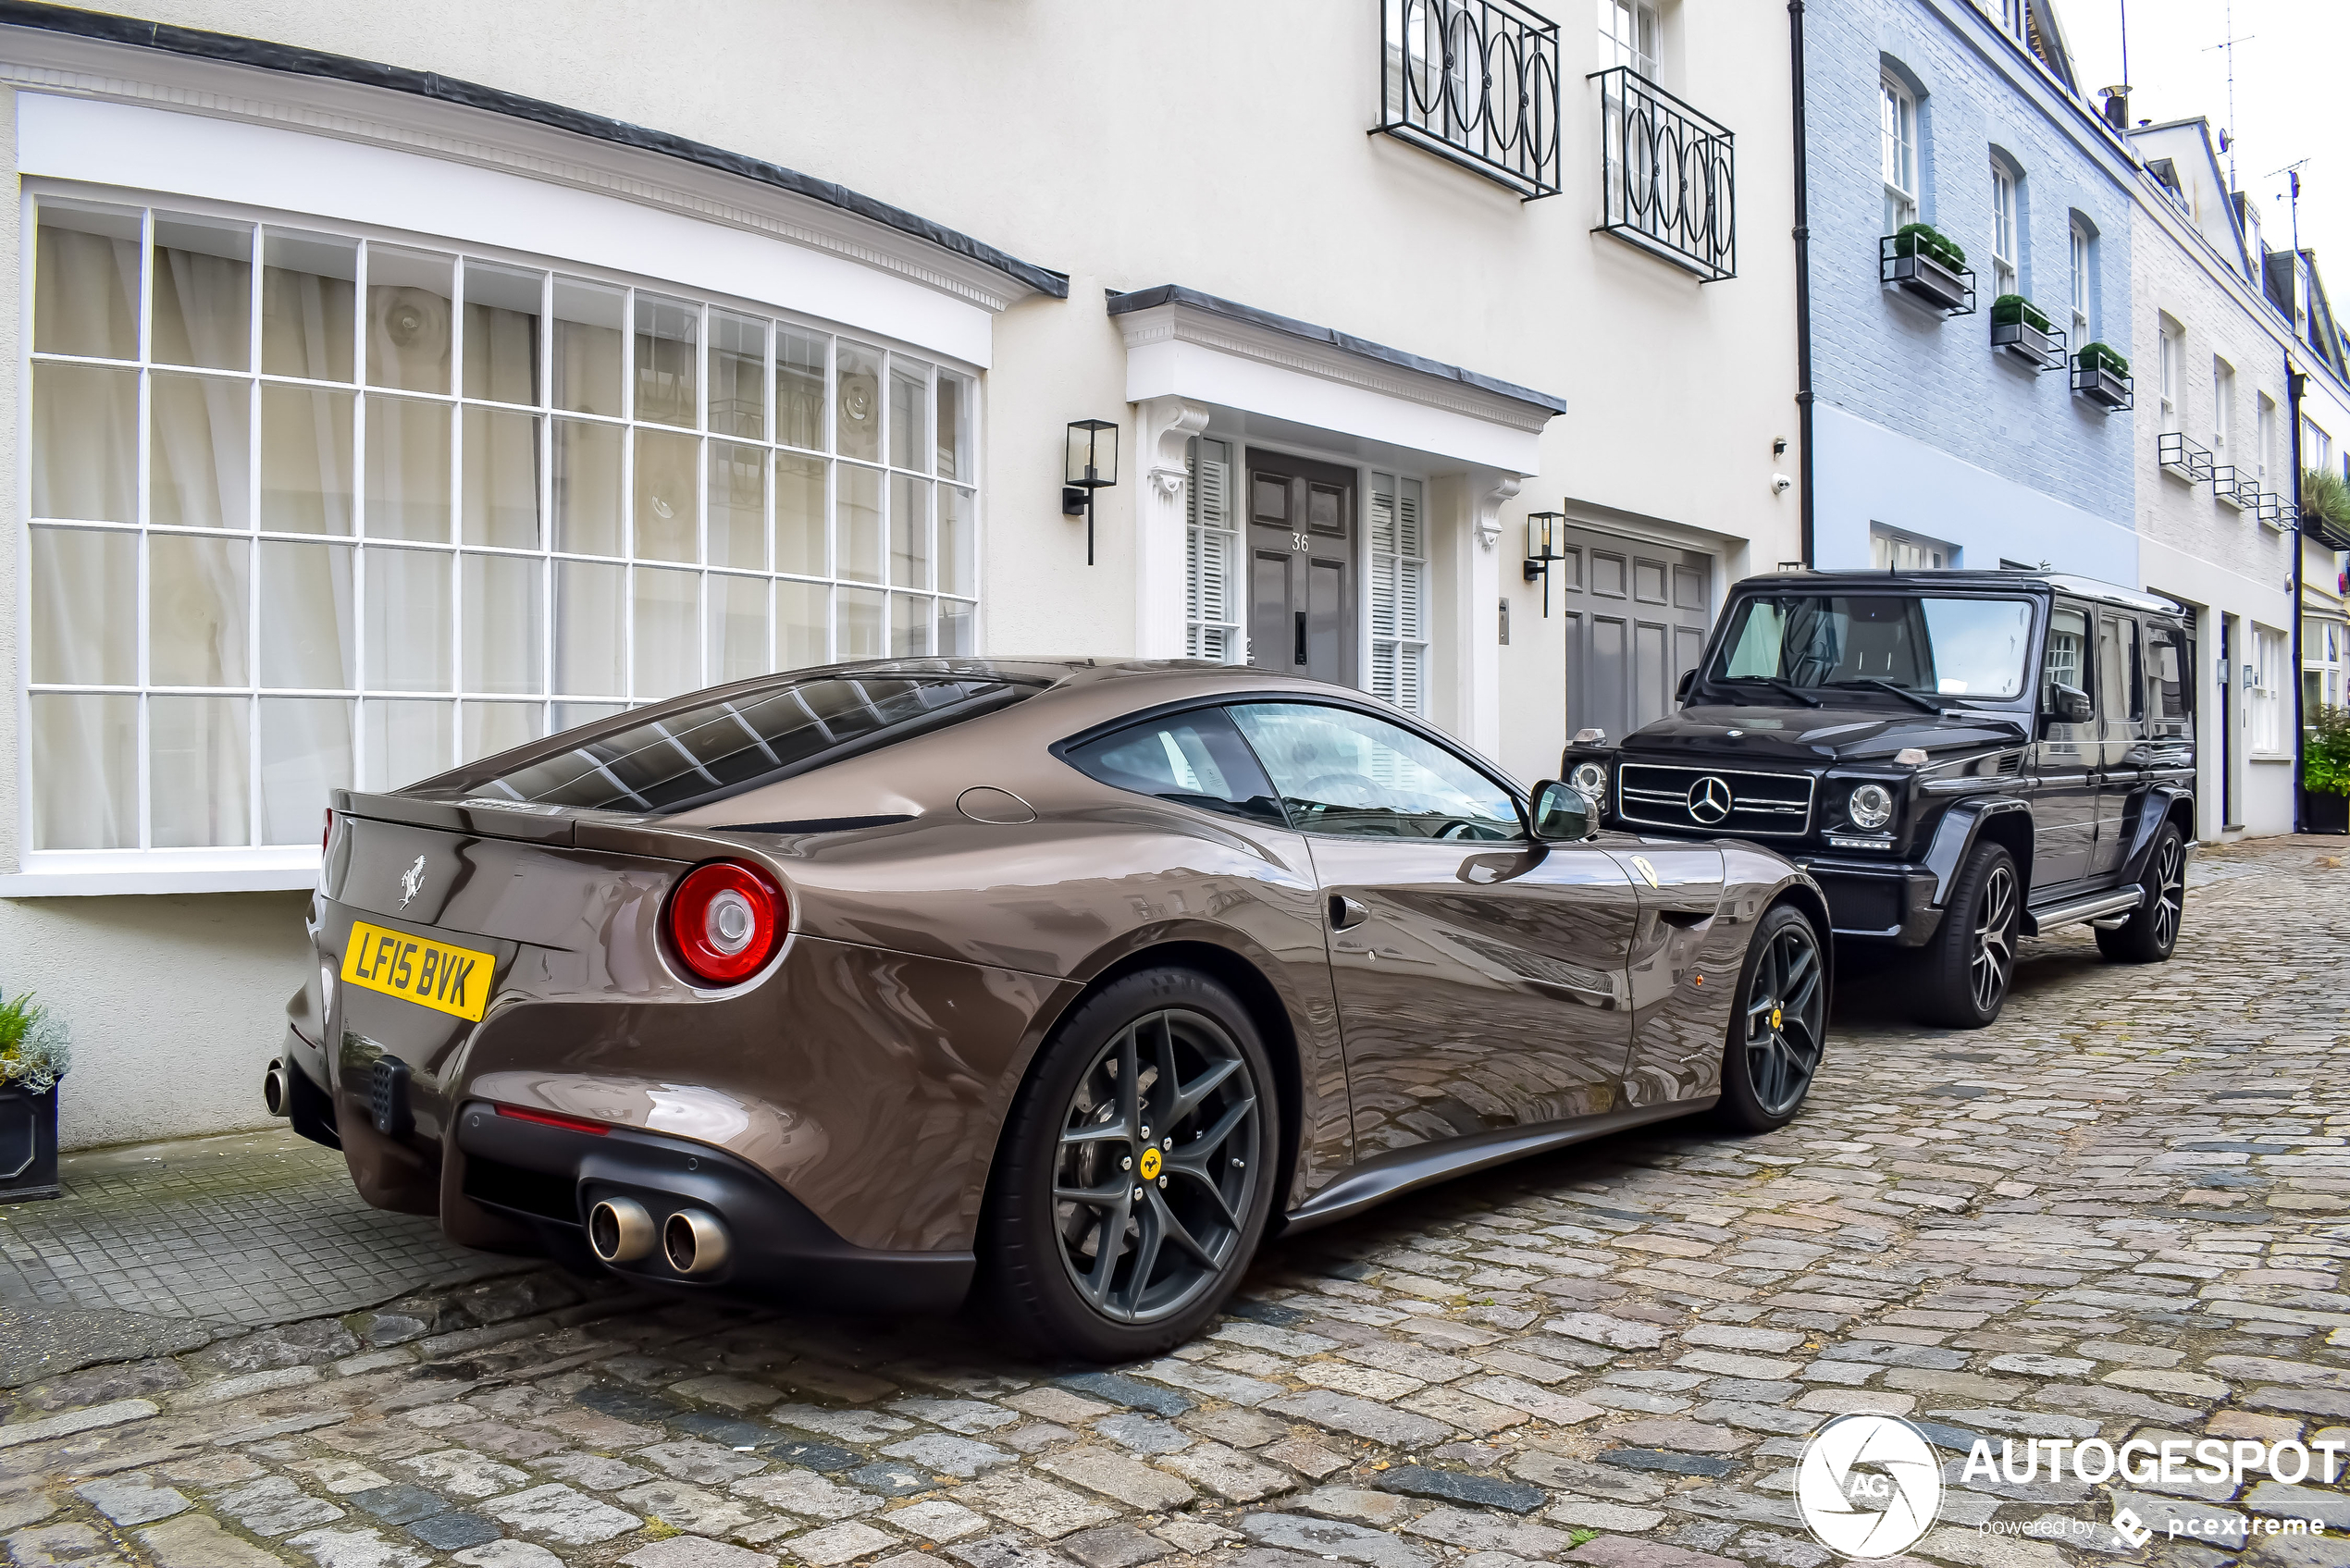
(550, 1176)
(1873, 901)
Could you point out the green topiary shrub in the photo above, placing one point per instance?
(2323, 494)
(2098, 356)
(2325, 754)
(2009, 309)
(1924, 239)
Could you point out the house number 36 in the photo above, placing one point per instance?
(1297, 541)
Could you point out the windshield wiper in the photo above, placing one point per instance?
(1902, 692)
(1777, 685)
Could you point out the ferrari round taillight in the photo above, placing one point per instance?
(724, 921)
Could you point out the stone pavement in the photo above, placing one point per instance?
(2120, 1213)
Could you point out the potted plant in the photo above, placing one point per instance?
(2325, 770)
(2102, 377)
(2024, 329)
(2325, 494)
(1925, 262)
(34, 1056)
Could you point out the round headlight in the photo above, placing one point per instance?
(1871, 806)
(724, 921)
(1588, 779)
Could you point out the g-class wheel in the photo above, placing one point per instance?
(1968, 964)
(2151, 932)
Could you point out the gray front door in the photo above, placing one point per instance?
(1301, 567)
(1636, 618)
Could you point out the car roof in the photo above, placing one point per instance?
(2009, 580)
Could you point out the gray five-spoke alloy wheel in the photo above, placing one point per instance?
(2168, 885)
(1156, 1170)
(1786, 1017)
(1991, 956)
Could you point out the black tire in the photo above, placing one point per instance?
(1966, 970)
(1074, 1130)
(2151, 932)
(1778, 1025)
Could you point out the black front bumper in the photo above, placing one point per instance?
(1877, 901)
(549, 1177)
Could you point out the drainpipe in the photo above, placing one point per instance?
(2292, 384)
(1802, 283)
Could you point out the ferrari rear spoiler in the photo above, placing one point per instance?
(566, 828)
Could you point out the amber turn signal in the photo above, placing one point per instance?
(724, 922)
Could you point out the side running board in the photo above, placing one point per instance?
(2114, 901)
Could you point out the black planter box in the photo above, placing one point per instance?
(1947, 289)
(2102, 386)
(2325, 813)
(2041, 350)
(28, 1145)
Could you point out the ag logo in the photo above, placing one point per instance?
(1868, 1484)
(1151, 1162)
(1709, 800)
(412, 882)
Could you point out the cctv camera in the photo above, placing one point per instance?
(1779, 483)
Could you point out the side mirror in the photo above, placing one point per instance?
(1564, 814)
(2070, 705)
(1688, 679)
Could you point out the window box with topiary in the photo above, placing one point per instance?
(33, 1055)
(1927, 265)
(2103, 376)
(2022, 329)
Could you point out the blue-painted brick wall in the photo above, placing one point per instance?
(1937, 382)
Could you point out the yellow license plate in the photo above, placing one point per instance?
(432, 974)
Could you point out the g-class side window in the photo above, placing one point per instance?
(2066, 663)
(2170, 694)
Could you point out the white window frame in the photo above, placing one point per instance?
(2223, 404)
(259, 866)
(2015, 20)
(2316, 447)
(1898, 550)
(2265, 434)
(2268, 693)
(1631, 33)
(1399, 596)
(1897, 151)
(2170, 363)
(1214, 563)
(2080, 254)
(2006, 269)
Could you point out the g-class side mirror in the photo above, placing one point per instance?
(1564, 814)
(2070, 705)
(1681, 690)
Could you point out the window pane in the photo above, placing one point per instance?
(860, 523)
(86, 292)
(587, 488)
(405, 741)
(408, 294)
(954, 426)
(504, 628)
(501, 490)
(737, 628)
(502, 333)
(309, 632)
(958, 547)
(306, 459)
(908, 626)
(666, 520)
(407, 620)
(800, 515)
(737, 376)
(859, 403)
(196, 589)
(570, 715)
(198, 760)
(908, 531)
(492, 727)
(801, 632)
(587, 346)
(738, 500)
(204, 293)
(667, 332)
(308, 288)
(305, 751)
(908, 413)
(199, 454)
(957, 632)
(860, 623)
(85, 793)
(86, 452)
(799, 388)
(407, 469)
(666, 622)
(588, 629)
(1196, 758)
(84, 604)
(1340, 771)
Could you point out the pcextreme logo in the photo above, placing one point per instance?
(1869, 1486)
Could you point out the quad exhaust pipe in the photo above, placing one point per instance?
(694, 1242)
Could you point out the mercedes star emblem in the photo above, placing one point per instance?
(1709, 800)
(412, 881)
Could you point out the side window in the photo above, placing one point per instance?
(2066, 664)
(2166, 683)
(1194, 758)
(2121, 692)
(1340, 771)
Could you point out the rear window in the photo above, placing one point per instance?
(690, 757)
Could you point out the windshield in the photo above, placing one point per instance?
(690, 757)
(1941, 646)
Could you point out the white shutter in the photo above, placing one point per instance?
(1399, 586)
(1210, 622)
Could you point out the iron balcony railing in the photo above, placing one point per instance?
(1475, 82)
(1668, 176)
(2177, 455)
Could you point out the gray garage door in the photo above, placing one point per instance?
(1636, 618)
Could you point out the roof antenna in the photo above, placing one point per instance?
(2227, 139)
(2125, 40)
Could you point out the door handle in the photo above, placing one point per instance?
(1301, 636)
(1345, 913)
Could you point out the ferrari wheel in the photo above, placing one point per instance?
(1778, 1028)
(1135, 1173)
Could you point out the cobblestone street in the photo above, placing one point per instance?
(2120, 1212)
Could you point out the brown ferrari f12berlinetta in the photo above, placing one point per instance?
(1053, 985)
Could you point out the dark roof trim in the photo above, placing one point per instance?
(1176, 294)
(264, 56)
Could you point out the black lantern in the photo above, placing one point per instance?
(1089, 462)
(1545, 542)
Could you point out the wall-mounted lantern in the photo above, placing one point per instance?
(1545, 542)
(1089, 463)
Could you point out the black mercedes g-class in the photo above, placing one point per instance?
(1957, 757)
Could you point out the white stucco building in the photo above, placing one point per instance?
(372, 416)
